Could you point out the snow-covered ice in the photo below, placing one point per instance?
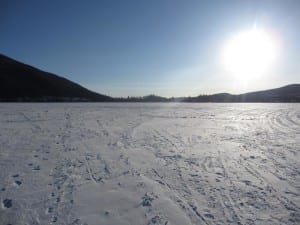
(96, 163)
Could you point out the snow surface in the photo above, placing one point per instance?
(149, 164)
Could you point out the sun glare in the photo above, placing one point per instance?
(249, 54)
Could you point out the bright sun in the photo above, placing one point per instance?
(249, 54)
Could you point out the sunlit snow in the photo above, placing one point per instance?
(149, 164)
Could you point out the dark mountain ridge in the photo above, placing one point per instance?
(289, 93)
(21, 82)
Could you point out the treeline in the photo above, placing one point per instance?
(148, 98)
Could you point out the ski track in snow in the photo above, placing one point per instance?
(111, 163)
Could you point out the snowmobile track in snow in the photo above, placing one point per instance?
(111, 163)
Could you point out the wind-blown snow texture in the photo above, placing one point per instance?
(149, 164)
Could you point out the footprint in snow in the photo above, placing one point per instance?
(247, 182)
(208, 215)
(17, 182)
(157, 220)
(53, 219)
(49, 210)
(147, 200)
(36, 168)
(7, 203)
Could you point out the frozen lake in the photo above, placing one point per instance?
(84, 163)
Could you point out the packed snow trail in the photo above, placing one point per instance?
(149, 164)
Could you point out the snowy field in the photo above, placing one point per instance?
(149, 164)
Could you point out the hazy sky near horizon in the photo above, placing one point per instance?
(139, 47)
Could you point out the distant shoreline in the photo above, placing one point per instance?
(23, 83)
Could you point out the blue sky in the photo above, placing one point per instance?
(168, 48)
